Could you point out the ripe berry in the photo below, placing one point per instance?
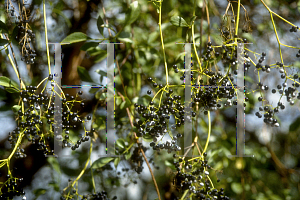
(50, 77)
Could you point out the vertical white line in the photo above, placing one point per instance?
(188, 136)
(110, 135)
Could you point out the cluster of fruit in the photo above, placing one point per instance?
(23, 33)
(11, 188)
(96, 196)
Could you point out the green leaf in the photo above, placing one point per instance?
(118, 101)
(3, 27)
(102, 55)
(178, 21)
(14, 34)
(75, 37)
(12, 90)
(38, 192)
(96, 51)
(156, 4)
(2, 95)
(125, 37)
(120, 143)
(54, 164)
(248, 78)
(103, 96)
(102, 74)
(249, 37)
(88, 46)
(180, 56)
(145, 100)
(237, 188)
(93, 90)
(152, 37)
(128, 102)
(133, 13)
(128, 155)
(3, 42)
(169, 164)
(16, 108)
(170, 41)
(192, 20)
(125, 104)
(6, 82)
(116, 161)
(147, 138)
(99, 23)
(109, 26)
(84, 74)
(54, 185)
(59, 12)
(101, 162)
(295, 125)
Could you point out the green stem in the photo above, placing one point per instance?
(83, 170)
(237, 19)
(193, 30)
(279, 44)
(184, 194)
(128, 148)
(209, 130)
(46, 36)
(211, 182)
(271, 12)
(93, 180)
(162, 43)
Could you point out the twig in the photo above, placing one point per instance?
(46, 36)
(148, 164)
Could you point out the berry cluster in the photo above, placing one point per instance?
(23, 32)
(294, 29)
(35, 122)
(96, 196)
(11, 188)
(193, 176)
